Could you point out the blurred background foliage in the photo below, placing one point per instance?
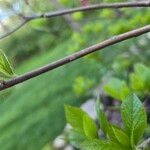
(32, 113)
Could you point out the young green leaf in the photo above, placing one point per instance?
(140, 79)
(5, 67)
(95, 145)
(74, 117)
(101, 145)
(76, 138)
(117, 89)
(115, 146)
(101, 117)
(140, 68)
(134, 118)
(117, 135)
(136, 82)
(90, 128)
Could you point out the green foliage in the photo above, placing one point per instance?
(88, 28)
(140, 79)
(82, 85)
(100, 145)
(121, 65)
(139, 83)
(79, 41)
(118, 135)
(33, 112)
(95, 145)
(89, 127)
(47, 147)
(38, 37)
(134, 121)
(134, 118)
(65, 2)
(74, 117)
(78, 16)
(107, 14)
(79, 120)
(76, 138)
(5, 67)
(117, 88)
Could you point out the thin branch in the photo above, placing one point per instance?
(82, 9)
(93, 7)
(77, 55)
(14, 30)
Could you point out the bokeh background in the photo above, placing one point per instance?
(32, 113)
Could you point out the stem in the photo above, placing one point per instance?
(80, 9)
(75, 56)
(93, 7)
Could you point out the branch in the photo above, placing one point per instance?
(77, 55)
(145, 145)
(92, 7)
(83, 9)
(14, 30)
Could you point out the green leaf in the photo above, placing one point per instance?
(80, 121)
(101, 145)
(77, 16)
(89, 126)
(134, 118)
(119, 136)
(140, 79)
(101, 117)
(74, 117)
(136, 82)
(95, 145)
(140, 68)
(117, 88)
(5, 67)
(76, 138)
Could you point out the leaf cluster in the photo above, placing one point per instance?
(6, 70)
(139, 83)
(85, 133)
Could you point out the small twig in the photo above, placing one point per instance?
(145, 145)
(77, 55)
(82, 9)
(92, 7)
(15, 29)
